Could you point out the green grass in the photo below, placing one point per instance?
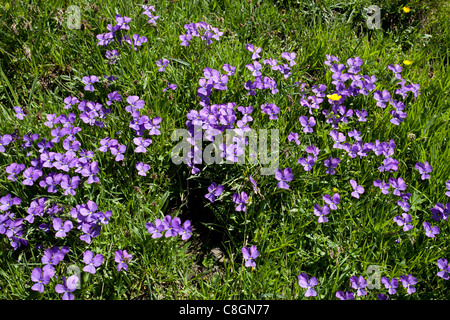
(43, 61)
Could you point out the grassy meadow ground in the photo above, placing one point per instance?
(43, 61)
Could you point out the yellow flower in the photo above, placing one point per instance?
(334, 97)
(406, 9)
(407, 62)
(335, 190)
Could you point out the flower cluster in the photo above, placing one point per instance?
(171, 228)
(202, 30)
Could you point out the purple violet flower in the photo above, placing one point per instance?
(250, 254)
(308, 284)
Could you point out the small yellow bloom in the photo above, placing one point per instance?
(406, 9)
(407, 62)
(335, 190)
(334, 97)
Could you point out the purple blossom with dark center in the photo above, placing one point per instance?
(29, 138)
(408, 282)
(307, 163)
(381, 296)
(404, 221)
(71, 146)
(105, 144)
(444, 266)
(361, 115)
(14, 169)
(308, 284)
(36, 208)
(185, 230)
(313, 150)
(389, 165)
(90, 171)
(398, 185)
(424, 169)
(67, 287)
(307, 124)
(347, 296)
(382, 97)
(171, 87)
(273, 63)
(70, 184)
(53, 256)
(354, 65)
(122, 257)
(390, 285)
(85, 156)
(321, 212)
(284, 176)
(270, 109)
(395, 68)
(134, 104)
(30, 175)
(255, 68)
(250, 47)
(430, 231)
(359, 283)
(142, 168)
(289, 57)
(4, 141)
(69, 102)
(88, 81)
(331, 164)
(60, 228)
(332, 201)
(162, 64)
(440, 212)
(138, 40)
(214, 191)
(404, 204)
(293, 136)
(152, 18)
(122, 22)
(284, 70)
(230, 70)
(15, 233)
(58, 133)
(384, 187)
(19, 112)
(249, 255)
(155, 229)
(51, 181)
(44, 145)
(184, 38)
(41, 278)
(113, 96)
(246, 111)
(338, 138)
(154, 125)
(119, 152)
(7, 201)
(112, 56)
(5, 221)
(91, 261)
(240, 200)
(172, 226)
(104, 38)
(61, 162)
(90, 231)
(357, 189)
(88, 210)
(141, 144)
